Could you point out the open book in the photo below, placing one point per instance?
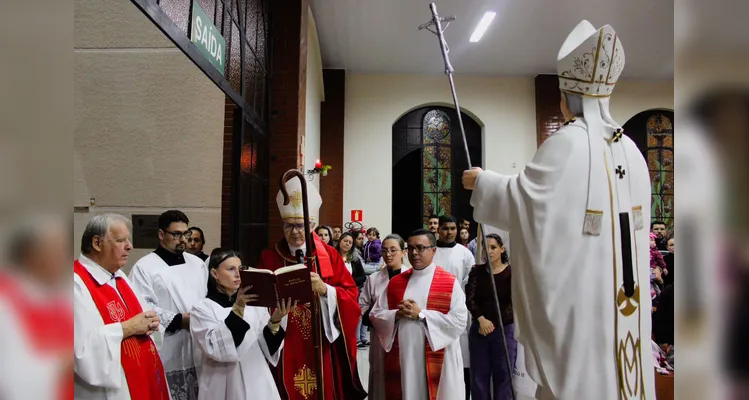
(287, 282)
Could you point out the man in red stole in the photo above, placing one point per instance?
(115, 355)
(296, 375)
(36, 313)
(419, 320)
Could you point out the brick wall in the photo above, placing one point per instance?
(288, 94)
(548, 116)
(331, 146)
(226, 181)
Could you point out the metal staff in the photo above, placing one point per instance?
(436, 23)
(316, 337)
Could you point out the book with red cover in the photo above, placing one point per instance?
(287, 282)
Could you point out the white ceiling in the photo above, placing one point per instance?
(381, 36)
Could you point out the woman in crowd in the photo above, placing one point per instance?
(235, 339)
(325, 233)
(490, 378)
(464, 237)
(354, 263)
(393, 251)
(358, 240)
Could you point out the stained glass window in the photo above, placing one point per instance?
(437, 162)
(660, 157)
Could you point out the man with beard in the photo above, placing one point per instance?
(433, 224)
(337, 297)
(172, 281)
(659, 229)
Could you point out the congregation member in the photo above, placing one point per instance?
(474, 244)
(235, 338)
(325, 234)
(337, 298)
(336, 236)
(578, 216)
(658, 228)
(490, 378)
(115, 353)
(457, 260)
(464, 237)
(419, 319)
(355, 265)
(173, 281)
(668, 278)
(358, 240)
(36, 312)
(372, 249)
(433, 224)
(393, 251)
(195, 242)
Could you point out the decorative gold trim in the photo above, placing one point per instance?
(628, 306)
(305, 381)
(596, 212)
(629, 365)
(611, 62)
(586, 94)
(613, 251)
(637, 208)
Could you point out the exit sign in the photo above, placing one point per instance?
(357, 215)
(207, 38)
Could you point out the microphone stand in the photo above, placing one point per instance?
(436, 23)
(315, 306)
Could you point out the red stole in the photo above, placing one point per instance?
(140, 360)
(53, 336)
(439, 299)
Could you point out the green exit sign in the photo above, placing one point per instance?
(207, 38)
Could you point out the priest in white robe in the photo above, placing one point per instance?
(419, 320)
(578, 217)
(115, 329)
(236, 338)
(173, 281)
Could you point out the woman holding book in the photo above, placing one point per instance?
(236, 339)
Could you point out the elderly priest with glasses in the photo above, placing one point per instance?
(338, 295)
(115, 328)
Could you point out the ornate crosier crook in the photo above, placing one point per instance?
(436, 23)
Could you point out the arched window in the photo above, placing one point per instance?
(653, 132)
(428, 162)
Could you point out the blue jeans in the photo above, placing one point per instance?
(361, 331)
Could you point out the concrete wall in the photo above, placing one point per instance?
(149, 123)
(504, 107)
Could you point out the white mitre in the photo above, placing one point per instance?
(590, 61)
(295, 207)
(589, 64)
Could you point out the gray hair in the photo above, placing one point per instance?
(99, 226)
(574, 103)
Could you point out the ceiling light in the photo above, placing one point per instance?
(486, 20)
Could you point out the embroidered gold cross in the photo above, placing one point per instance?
(305, 382)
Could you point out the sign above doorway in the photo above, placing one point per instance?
(207, 38)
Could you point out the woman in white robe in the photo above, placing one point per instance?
(393, 250)
(235, 339)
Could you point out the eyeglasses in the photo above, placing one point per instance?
(292, 227)
(419, 248)
(180, 235)
(385, 252)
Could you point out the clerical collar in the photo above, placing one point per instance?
(392, 273)
(426, 270)
(171, 259)
(443, 244)
(221, 298)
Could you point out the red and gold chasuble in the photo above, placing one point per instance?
(140, 360)
(295, 375)
(439, 299)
